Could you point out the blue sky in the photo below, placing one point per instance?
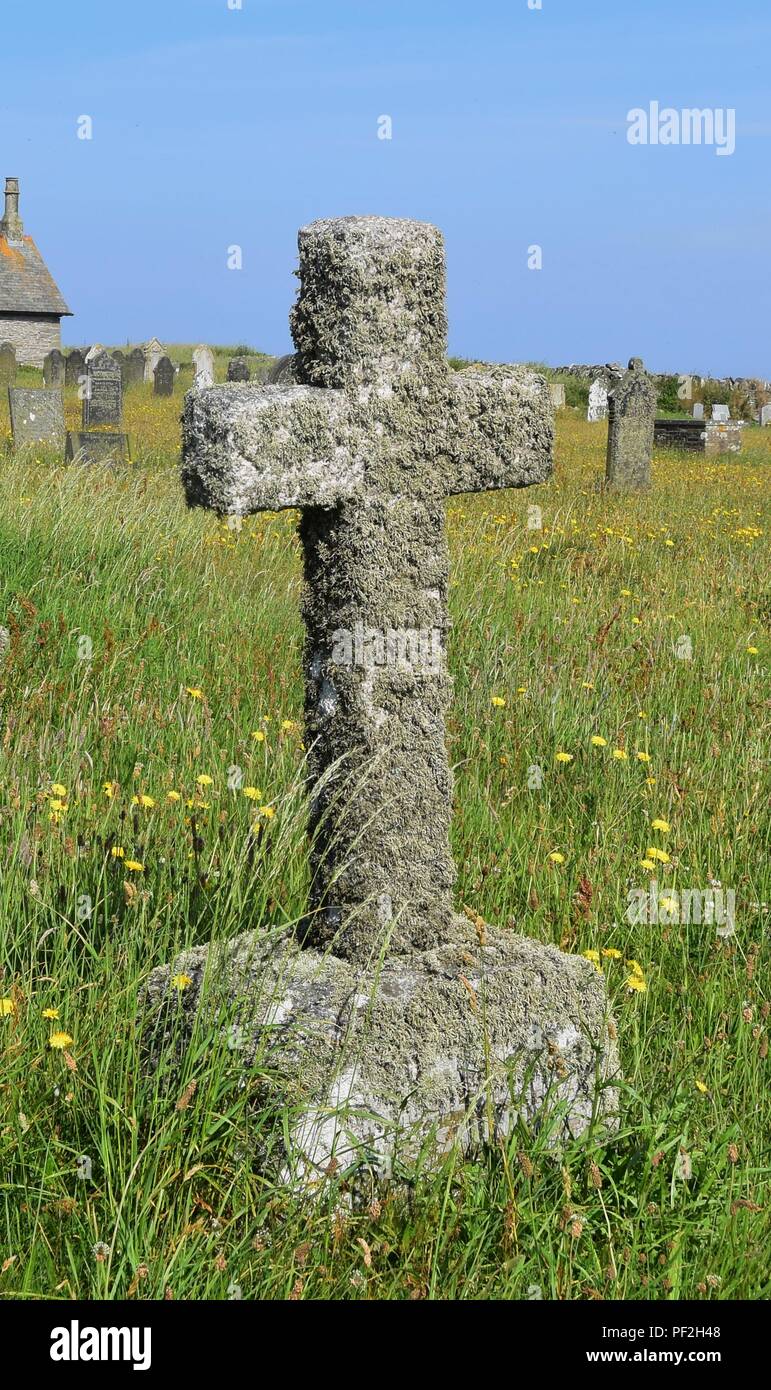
(215, 126)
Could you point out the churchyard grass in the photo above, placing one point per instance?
(154, 658)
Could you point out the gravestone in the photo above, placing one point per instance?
(631, 418)
(238, 369)
(721, 414)
(203, 367)
(74, 368)
(698, 411)
(401, 1022)
(97, 446)
(134, 368)
(154, 351)
(598, 402)
(557, 393)
(37, 417)
(53, 369)
(103, 399)
(281, 372)
(765, 416)
(163, 377)
(7, 364)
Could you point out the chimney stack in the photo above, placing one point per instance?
(11, 226)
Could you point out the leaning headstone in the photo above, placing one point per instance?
(698, 411)
(402, 1024)
(631, 417)
(74, 368)
(163, 377)
(37, 417)
(765, 416)
(97, 446)
(203, 367)
(134, 368)
(103, 398)
(557, 393)
(598, 402)
(238, 369)
(7, 364)
(53, 369)
(721, 414)
(154, 351)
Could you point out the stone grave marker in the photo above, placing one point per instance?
(238, 369)
(203, 367)
(37, 416)
(163, 377)
(7, 364)
(281, 372)
(97, 446)
(401, 1021)
(103, 399)
(134, 368)
(53, 369)
(598, 402)
(74, 368)
(698, 411)
(631, 418)
(153, 351)
(765, 416)
(557, 393)
(721, 414)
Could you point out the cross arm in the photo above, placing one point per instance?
(501, 430)
(265, 448)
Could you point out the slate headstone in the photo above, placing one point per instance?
(238, 369)
(698, 411)
(53, 368)
(97, 446)
(721, 414)
(598, 402)
(631, 418)
(74, 368)
(134, 368)
(163, 377)
(7, 364)
(37, 416)
(103, 399)
(203, 367)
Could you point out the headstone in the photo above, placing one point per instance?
(557, 393)
(74, 368)
(698, 411)
(164, 377)
(723, 437)
(203, 367)
(154, 351)
(598, 402)
(134, 369)
(103, 399)
(37, 417)
(765, 416)
(7, 364)
(632, 413)
(238, 369)
(406, 1023)
(53, 368)
(97, 446)
(721, 414)
(281, 372)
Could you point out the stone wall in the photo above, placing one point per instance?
(32, 335)
(679, 434)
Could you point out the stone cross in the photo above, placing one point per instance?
(598, 402)
(163, 377)
(203, 367)
(631, 420)
(368, 446)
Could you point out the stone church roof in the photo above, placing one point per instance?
(26, 285)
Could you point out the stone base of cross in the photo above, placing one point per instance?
(396, 1017)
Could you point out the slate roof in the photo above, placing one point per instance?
(26, 286)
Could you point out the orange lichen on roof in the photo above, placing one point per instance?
(12, 252)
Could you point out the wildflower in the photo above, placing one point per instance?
(642, 714)
(753, 651)
(259, 735)
(563, 757)
(594, 957)
(57, 806)
(662, 825)
(109, 789)
(58, 790)
(611, 952)
(668, 904)
(173, 796)
(7, 1007)
(50, 1013)
(647, 864)
(267, 811)
(626, 593)
(599, 741)
(659, 854)
(253, 793)
(636, 983)
(134, 865)
(588, 685)
(642, 756)
(100, 1251)
(194, 692)
(700, 1086)
(181, 982)
(620, 754)
(118, 852)
(522, 690)
(556, 857)
(204, 780)
(650, 781)
(59, 1041)
(498, 702)
(288, 724)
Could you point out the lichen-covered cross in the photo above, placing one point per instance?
(375, 436)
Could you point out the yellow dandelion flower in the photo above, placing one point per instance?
(668, 904)
(60, 1041)
(117, 852)
(268, 812)
(173, 796)
(204, 780)
(134, 865)
(658, 854)
(626, 593)
(522, 690)
(587, 685)
(194, 692)
(642, 756)
(109, 789)
(58, 790)
(636, 621)
(56, 805)
(635, 967)
(700, 1086)
(498, 702)
(181, 982)
(620, 754)
(611, 953)
(253, 793)
(753, 651)
(662, 825)
(143, 800)
(650, 781)
(287, 724)
(50, 1013)
(7, 1007)
(563, 757)
(636, 983)
(647, 864)
(642, 714)
(259, 735)
(556, 857)
(599, 741)
(594, 957)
